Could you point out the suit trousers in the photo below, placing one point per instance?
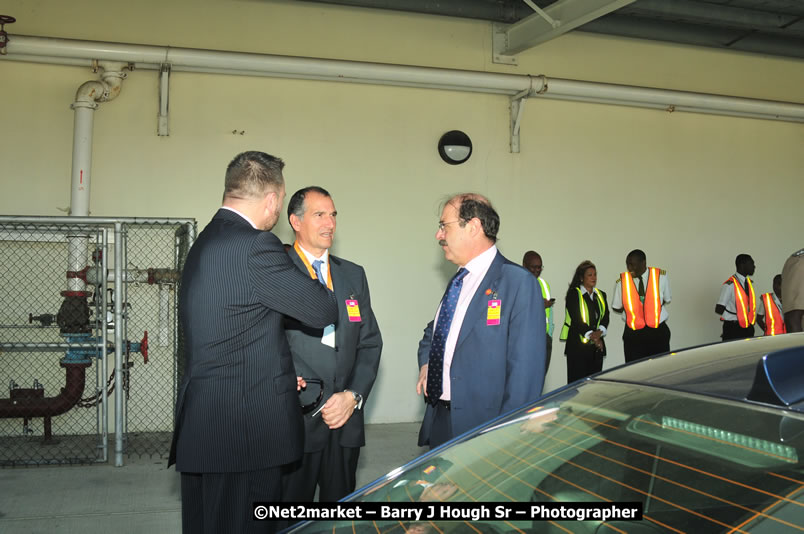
(212, 503)
(733, 330)
(332, 469)
(638, 344)
(442, 426)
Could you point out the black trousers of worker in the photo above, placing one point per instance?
(332, 469)
(582, 362)
(733, 330)
(638, 344)
(212, 503)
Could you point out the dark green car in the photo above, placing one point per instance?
(708, 439)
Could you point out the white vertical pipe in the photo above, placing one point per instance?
(79, 184)
(82, 158)
(104, 342)
(118, 345)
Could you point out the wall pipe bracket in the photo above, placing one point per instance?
(164, 100)
(517, 110)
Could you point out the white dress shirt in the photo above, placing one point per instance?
(324, 266)
(477, 267)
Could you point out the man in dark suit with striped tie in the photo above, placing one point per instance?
(238, 418)
(345, 357)
(482, 355)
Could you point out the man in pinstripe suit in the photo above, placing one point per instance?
(238, 418)
(346, 358)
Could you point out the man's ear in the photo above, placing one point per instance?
(477, 226)
(269, 202)
(295, 222)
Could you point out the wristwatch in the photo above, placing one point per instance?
(358, 398)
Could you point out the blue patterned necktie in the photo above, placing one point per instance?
(317, 268)
(435, 368)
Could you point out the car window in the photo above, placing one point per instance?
(697, 464)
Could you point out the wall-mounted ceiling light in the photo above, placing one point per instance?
(455, 147)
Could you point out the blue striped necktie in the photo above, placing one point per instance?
(435, 368)
(317, 268)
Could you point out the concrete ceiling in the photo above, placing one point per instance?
(769, 27)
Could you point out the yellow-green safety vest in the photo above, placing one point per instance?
(584, 314)
(546, 295)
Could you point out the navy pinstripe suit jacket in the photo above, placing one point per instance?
(237, 408)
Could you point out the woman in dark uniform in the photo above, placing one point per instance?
(585, 323)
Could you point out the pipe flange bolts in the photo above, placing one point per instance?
(4, 19)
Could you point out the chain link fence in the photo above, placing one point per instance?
(62, 312)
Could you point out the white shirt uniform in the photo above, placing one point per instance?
(726, 299)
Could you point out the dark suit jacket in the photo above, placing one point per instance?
(495, 369)
(578, 327)
(237, 408)
(352, 364)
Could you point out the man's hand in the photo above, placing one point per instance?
(300, 383)
(549, 303)
(338, 409)
(421, 383)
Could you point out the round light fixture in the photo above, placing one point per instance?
(455, 147)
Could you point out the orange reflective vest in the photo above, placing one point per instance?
(746, 303)
(640, 314)
(774, 322)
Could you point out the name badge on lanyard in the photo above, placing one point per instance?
(493, 313)
(353, 311)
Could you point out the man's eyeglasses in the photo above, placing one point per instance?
(442, 225)
(307, 408)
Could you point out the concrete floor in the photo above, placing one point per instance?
(143, 495)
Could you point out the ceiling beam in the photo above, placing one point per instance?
(717, 15)
(561, 17)
(698, 35)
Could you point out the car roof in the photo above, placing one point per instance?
(766, 370)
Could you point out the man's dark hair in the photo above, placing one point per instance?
(529, 254)
(471, 205)
(296, 202)
(637, 255)
(252, 175)
(742, 259)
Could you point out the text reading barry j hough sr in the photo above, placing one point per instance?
(369, 511)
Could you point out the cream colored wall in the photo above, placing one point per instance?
(591, 181)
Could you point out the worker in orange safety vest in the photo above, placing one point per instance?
(737, 304)
(641, 295)
(769, 310)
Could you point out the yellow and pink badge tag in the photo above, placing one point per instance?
(353, 310)
(493, 313)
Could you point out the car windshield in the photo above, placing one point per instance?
(697, 464)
